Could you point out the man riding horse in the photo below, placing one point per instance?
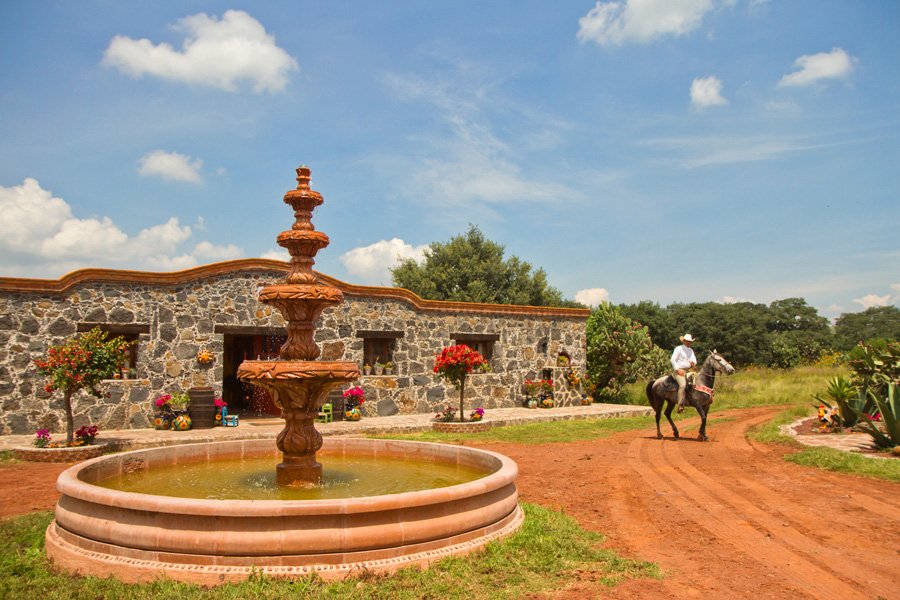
(682, 360)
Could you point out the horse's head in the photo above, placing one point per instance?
(720, 364)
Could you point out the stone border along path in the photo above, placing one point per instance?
(848, 442)
(134, 439)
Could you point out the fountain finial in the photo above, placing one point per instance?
(303, 176)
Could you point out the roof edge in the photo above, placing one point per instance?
(71, 280)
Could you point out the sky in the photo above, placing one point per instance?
(662, 150)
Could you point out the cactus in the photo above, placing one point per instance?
(617, 347)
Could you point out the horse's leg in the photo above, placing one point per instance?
(702, 437)
(669, 406)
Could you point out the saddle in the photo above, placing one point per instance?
(670, 385)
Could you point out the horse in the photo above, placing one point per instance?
(698, 393)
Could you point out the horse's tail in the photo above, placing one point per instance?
(650, 394)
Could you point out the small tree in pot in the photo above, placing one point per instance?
(81, 365)
(453, 364)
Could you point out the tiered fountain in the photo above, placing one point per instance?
(299, 384)
(105, 526)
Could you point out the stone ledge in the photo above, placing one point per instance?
(58, 455)
(467, 427)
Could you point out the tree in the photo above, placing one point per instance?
(798, 332)
(81, 365)
(453, 364)
(875, 322)
(658, 321)
(470, 268)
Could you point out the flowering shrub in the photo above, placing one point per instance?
(220, 403)
(81, 365)
(532, 387)
(477, 414)
(546, 386)
(42, 439)
(453, 364)
(86, 434)
(447, 415)
(163, 403)
(354, 396)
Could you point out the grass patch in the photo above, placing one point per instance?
(847, 462)
(7, 457)
(542, 556)
(770, 432)
(554, 432)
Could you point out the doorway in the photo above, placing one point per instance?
(243, 398)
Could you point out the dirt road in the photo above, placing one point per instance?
(724, 519)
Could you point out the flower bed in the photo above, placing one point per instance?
(457, 427)
(64, 455)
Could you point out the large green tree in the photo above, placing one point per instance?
(471, 268)
(876, 322)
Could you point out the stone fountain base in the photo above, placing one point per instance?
(138, 537)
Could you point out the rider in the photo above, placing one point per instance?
(682, 360)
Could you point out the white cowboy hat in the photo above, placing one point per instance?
(687, 338)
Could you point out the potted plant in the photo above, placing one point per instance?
(532, 388)
(353, 399)
(379, 368)
(388, 368)
(453, 364)
(562, 361)
(220, 404)
(163, 417)
(367, 369)
(476, 415)
(179, 404)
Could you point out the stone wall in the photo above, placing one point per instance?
(177, 315)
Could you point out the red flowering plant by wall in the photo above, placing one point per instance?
(81, 365)
(453, 364)
(354, 397)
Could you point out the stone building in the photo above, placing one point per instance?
(173, 317)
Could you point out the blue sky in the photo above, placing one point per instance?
(664, 150)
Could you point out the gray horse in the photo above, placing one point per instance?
(698, 394)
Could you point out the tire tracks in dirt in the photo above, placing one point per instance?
(754, 517)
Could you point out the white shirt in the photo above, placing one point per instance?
(683, 358)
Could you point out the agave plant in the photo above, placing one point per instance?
(848, 399)
(890, 417)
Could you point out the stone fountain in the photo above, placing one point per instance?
(299, 384)
(103, 531)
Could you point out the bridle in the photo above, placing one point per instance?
(710, 391)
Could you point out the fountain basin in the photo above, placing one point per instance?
(141, 537)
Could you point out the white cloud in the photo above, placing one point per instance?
(641, 20)
(872, 300)
(707, 92)
(170, 166)
(373, 263)
(896, 288)
(216, 53)
(217, 253)
(273, 254)
(814, 68)
(470, 167)
(592, 296)
(41, 232)
(734, 300)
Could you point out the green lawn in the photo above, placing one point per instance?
(541, 557)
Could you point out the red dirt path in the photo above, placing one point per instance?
(723, 519)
